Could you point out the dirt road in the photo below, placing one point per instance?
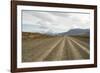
(55, 49)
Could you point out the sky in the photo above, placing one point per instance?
(53, 22)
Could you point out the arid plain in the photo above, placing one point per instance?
(40, 47)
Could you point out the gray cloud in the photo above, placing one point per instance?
(53, 22)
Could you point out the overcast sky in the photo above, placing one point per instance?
(53, 22)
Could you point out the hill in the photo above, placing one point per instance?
(76, 32)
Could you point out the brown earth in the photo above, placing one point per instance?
(39, 47)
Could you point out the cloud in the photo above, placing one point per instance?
(53, 22)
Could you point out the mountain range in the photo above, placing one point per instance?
(76, 32)
(70, 32)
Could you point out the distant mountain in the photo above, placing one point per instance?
(70, 32)
(87, 33)
(77, 32)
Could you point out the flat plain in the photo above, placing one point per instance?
(40, 47)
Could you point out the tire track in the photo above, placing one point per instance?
(81, 42)
(46, 53)
(75, 53)
(57, 52)
(80, 45)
